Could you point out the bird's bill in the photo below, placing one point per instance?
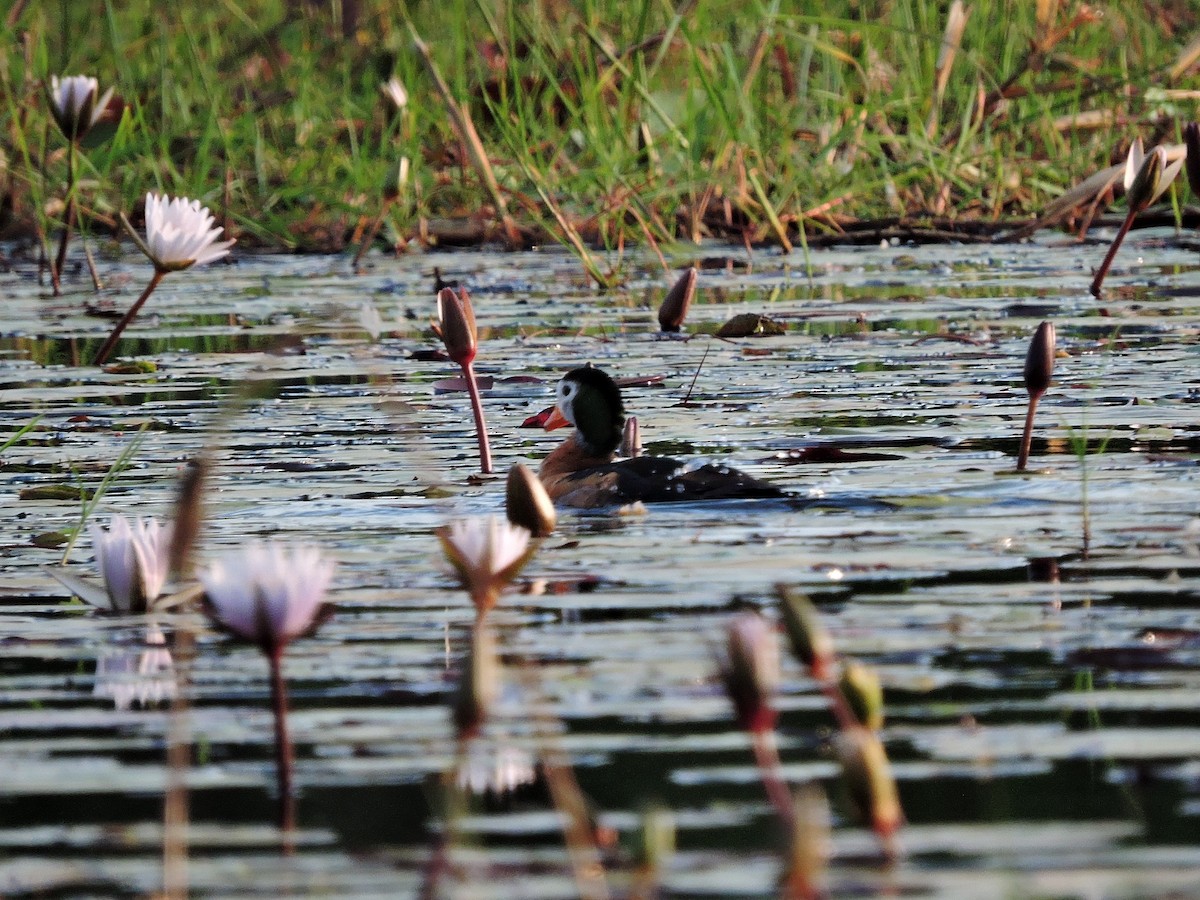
(556, 420)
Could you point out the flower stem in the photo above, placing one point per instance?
(61, 260)
(1112, 252)
(283, 750)
(766, 755)
(1027, 435)
(485, 451)
(103, 354)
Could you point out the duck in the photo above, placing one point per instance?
(583, 470)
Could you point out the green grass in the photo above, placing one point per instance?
(636, 121)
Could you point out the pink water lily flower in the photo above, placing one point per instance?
(267, 594)
(133, 560)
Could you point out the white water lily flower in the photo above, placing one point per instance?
(487, 554)
(133, 561)
(267, 594)
(395, 91)
(180, 234)
(75, 105)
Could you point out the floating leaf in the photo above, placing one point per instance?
(751, 325)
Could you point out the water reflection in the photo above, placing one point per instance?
(141, 674)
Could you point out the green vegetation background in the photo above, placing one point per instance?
(627, 121)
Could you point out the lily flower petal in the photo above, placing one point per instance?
(266, 594)
(180, 234)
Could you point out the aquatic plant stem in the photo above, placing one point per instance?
(104, 352)
(1112, 252)
(283, 750)
(61, 259)
(766, 755)
(1027, 434)
(485, 450)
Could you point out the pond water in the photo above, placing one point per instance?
(1043, 704)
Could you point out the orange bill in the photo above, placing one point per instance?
(556, 420)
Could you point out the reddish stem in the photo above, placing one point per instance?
(1027, 435)
(485, 451)
(1112, 251)
(766, 755)
(61, 259)
(283, 750)
(104, 352)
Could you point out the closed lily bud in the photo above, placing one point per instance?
(675, 305)
(456, 325)
(863, 691)
(631, 438)
(811, 643)
(811, 845)
(487, 554)
(655, 838)
(526, 502)
(478, 685)
(750, 670)
(1141, 190)
(1039, 361)
(871, 786)
(1191, 140)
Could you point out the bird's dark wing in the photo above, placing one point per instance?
(660, 479)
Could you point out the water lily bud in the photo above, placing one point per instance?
(1039, 361)
(750, 670)
(675, 305)
(456, 325)
(811, 845)
(478, 684)
(1191, 140)
(395, 91)
(1144, 187)
(655, 838)
(527, 503)
(811, 643)
(863, 691)
(631, 438)
(871, 787)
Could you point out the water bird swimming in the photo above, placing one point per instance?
(583, 471)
